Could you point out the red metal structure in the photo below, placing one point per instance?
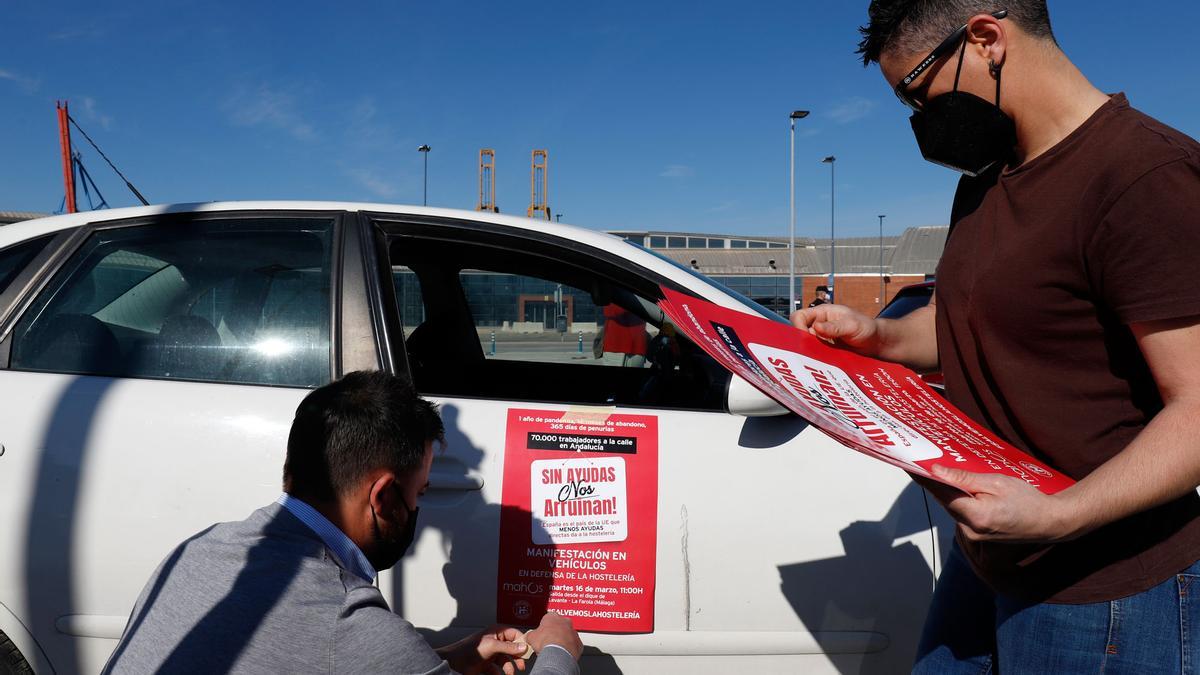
(64, 136)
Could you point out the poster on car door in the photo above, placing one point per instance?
(878, 408)
(579, 519)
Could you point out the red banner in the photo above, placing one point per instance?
(578, 521)
(880, 409)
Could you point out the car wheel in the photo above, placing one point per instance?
(11, 661)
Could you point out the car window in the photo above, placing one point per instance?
(525, 318)
(14, 258)
(239, 301)
(408, 298)
(509, 323)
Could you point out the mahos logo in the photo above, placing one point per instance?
(527, 587)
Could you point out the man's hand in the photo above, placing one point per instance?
(496, 650)
(838, 324)
(991, 507)
(555, 629)
(910, 340)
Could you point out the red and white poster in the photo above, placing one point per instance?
(878, 408)
(579, 520)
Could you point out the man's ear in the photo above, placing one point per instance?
(986, 34)
(381, 496)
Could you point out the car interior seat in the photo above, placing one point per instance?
(187, 347)
(74, 343)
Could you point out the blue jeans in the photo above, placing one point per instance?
(971, 629)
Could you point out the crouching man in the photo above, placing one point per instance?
(289, 589)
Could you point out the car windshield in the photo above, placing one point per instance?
(906, 302)
(766, 313)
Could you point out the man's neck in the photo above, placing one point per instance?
(338, 513)
(1050, 99)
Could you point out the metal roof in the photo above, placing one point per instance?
(7, 217)
(919, 250)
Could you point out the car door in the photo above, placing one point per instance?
(776, 549)
(148, 386)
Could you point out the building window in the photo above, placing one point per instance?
(676, 242)
(758, 244)
(716, 243)
(658, 242)
(738, 284)
(737, 243)
(697, 242)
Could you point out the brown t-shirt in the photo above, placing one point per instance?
(1045, 267)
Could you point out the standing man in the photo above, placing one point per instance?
(822, 297)
(1078, 201)
(289, 589)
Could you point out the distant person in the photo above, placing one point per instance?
(822, 296)
(1066, 323)
(289, 589)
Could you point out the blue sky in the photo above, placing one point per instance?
(656, 115)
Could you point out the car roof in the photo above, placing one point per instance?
(21, 231)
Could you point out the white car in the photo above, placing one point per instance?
(151, 360)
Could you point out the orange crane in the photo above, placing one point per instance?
(538, 178)
(74, 174)
(68, 160)
(487, 181)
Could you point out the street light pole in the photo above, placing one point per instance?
(882, 299)
(796, 115)
(424, 150)
(831, 160)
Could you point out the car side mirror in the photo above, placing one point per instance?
(742, 398)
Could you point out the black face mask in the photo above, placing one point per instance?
(963, 132)
(389, 550)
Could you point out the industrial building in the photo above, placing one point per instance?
(870, 270)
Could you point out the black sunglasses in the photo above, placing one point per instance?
(937, 53)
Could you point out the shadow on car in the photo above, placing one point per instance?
(50, 537)
(876, 583)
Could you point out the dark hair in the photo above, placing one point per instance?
(348, 428)
(915, 26)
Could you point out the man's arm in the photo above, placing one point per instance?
(911, 340)
(1161, 464)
